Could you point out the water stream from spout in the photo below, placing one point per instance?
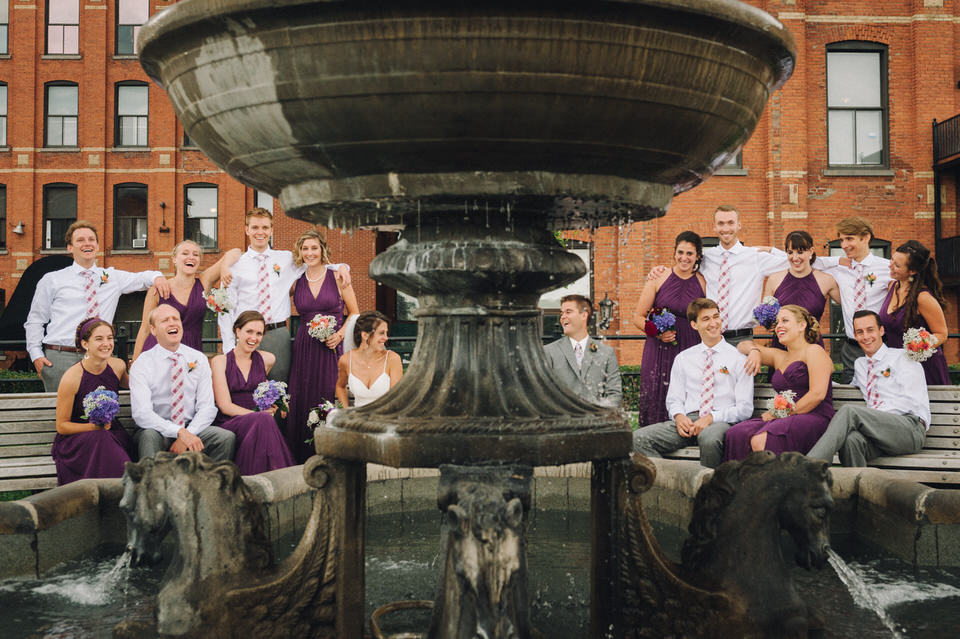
(860, 592)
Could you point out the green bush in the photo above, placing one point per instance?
(20, 382)
(13, 495)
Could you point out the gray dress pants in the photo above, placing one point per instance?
(62, 360)
(218, 444)
(656, 440)
(860, 434)
(277, 341)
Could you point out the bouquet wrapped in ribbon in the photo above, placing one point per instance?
(218, 301)
(782, 404)
(322, 326)
(100, 406)
(659, 321)
(919, 344)
(271, 393)
(766, 312)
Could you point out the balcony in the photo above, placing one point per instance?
(946, 141)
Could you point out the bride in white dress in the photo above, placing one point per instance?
(368, 370)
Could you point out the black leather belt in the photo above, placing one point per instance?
(270, 327)
(740, 332)
(64, 349)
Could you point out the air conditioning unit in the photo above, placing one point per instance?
(140, 243)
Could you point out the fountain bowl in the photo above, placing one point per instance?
(366, 113)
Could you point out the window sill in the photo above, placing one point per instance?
(130, 252)
(55, 251)
(59, 149)
(3, 251)
(4, 149)
(125, 56)
(4, 56)
(731, 171)
(61, 56)
(857, 172)
(130, 149)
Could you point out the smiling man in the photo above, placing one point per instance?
(586, 366)
(66, 297)
(171, 395)
(709, 391)
(896, 416)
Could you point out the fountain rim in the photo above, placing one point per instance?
(187, 13)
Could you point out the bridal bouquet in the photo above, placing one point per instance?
(271, 393)
(320, 414)
(322, 326)
(782, 404)
(100, 406)
(766, 312)
(659, 321)
(919, 344)
(218, 301)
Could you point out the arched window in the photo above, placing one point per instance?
(857, 105)
(61, 106)
(59, 212)
(132, 111)
(130, 216)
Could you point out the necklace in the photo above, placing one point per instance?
(375, 359)
(314, 279)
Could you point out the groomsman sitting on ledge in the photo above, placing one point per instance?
(897, 412)
(586, 366)
(171, 395)
(709, 391)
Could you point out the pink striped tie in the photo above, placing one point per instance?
(578, 353)
(723, 292)
(90, 293)
(873, 397)
(263, 288)
(859, 290)
(176, 390)
(709, 378)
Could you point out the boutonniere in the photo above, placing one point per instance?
(191, 366)
(724, 370)
(593, 347)
(104, 277)
(886, 372)
(276, 269)
(871, 278)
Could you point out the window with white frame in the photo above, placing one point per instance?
(59, 212)
(131, 14)
(856, 104)
(130, 216)
(61, 105)
(63, 26)
(132, 109)
(200, 214)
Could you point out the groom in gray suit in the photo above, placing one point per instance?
(587, 367)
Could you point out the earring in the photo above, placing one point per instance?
(910, 279)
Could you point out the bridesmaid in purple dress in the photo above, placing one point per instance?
(313, 367)
(236, 375)
(82, 450)
(804, 368)
(915, 300)
(674, 290)
(186, 295)
(800, 284)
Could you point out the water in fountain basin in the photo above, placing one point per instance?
(860, 593)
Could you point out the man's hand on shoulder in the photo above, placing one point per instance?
(656, 272)
(163, 286)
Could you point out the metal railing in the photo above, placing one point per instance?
(946, 140)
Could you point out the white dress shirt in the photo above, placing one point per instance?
(151, 396)
(283, 274)
(733, 388)
(60, 302)
(846, 277)
(901, 384)
(748, 267)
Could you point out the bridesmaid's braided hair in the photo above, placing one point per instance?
(812, 333)
(86, 328)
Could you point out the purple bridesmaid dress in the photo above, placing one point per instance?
(191, 316)
(794, 433)
(675, 295)
(313, 367)
(94, 454)
(935, 368)
(804, 292)
(260, 446)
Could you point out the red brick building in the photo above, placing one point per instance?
(83, 134)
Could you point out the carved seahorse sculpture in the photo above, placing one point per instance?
(294, 599)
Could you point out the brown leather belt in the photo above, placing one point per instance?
(64, 349)
(270, 327)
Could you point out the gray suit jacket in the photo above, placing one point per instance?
(597, 380)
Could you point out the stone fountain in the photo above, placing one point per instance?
(479, 128)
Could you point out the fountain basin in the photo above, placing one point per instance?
(364, 113)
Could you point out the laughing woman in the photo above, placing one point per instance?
(82, 449)
(186, 295)
(804, 370)
(236, 375)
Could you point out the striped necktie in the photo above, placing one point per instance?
(859, 289)
(709, 379)
(90, 293)
(723, 291)
(263, 287)
(176, 390)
